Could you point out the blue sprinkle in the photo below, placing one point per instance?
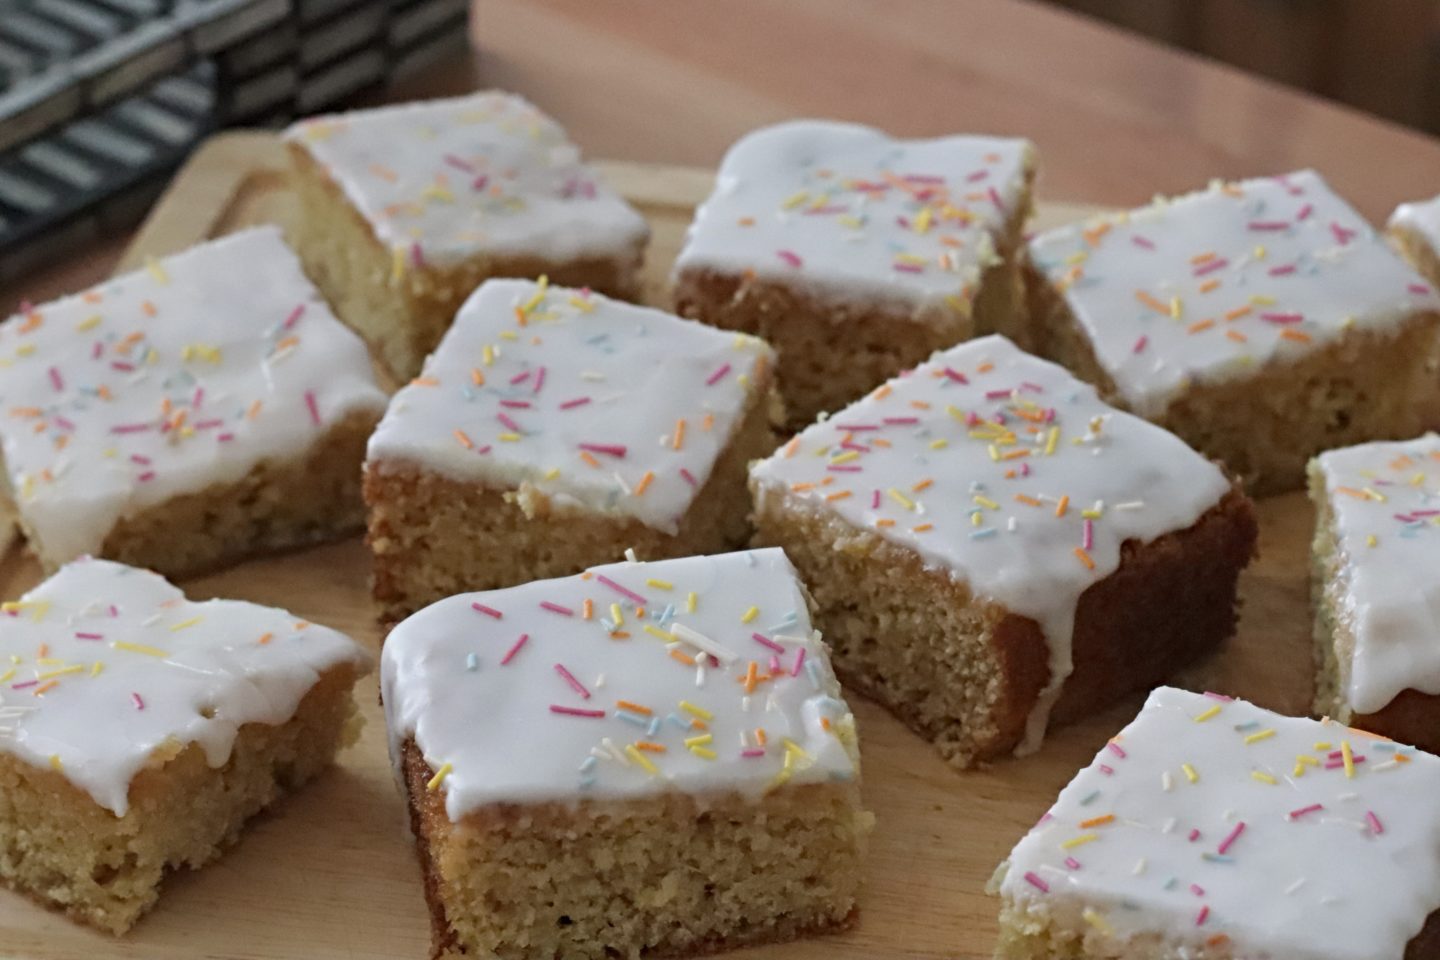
(1216, 858)
(1246, 727)
(653, 728)
(1090, 798)
(984, 534)
(635, 718)
(675, 719)
(1170, 884)
(472, 662)
(812, 669)
(588, 763)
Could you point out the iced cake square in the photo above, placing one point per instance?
(552, 430)
(991, 547)
(404, 210)
(1262, 321)
(857, 255)
(1210, 828)
(647, 759)
(1415, 229)
(203, 409)
(1376, 580)
(140, 730)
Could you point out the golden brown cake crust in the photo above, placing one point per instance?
(429, 824)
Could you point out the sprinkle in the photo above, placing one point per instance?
(790, 257)
(1262, 735)
(515, 649)
(1297, 814)
(645, 482)
(488, 611)
(750, 615)
(313, 407)
(1085, 558)
(1349, 759)
(634, 754)
(627, 594)
(138, 648)
(1206, 715)
(556, 608)
(1035, 881)
(1229, 841)
(139, 702)
(1374, 821)
(1190, 773)
(569, 678)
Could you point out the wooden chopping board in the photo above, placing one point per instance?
(330, 873)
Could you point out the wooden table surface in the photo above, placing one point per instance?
(1117, 118)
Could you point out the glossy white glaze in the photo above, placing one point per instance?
(1422, 218)
(1005, 471)
(166, 381)
(1210, 286)
(517, 696)
(849, 213)
(577, 395)
(487, 173)
(111, 668)
(1197, 822)
(1385, 501)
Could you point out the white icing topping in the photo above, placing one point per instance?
(514, 696)
(166, 381)
(1422, 217)
(1211, 285)
(110, 664)
(849, 212)
(482, 173)
(596, 402)
(1270, 843)
(1007, 472)
(1385, 500)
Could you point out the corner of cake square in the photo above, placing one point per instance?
(992, 548)
(140, 730)
(1211, 828)
(1415, 229)
(406, 209)
(554, 429)
(1262, 321)
(857, 255)
(1376, 587)
(206, 408)
(646, 759)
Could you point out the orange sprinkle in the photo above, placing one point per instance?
(619, 635)
(825, 724)
(254, 411)
(923, 528)
(923, 485)
(791, 447)
(1028, 500)
(289, 341)
(384, 172)
(477, 376)
(885, 522)
(1085, 558)
(1062, 506)
(683, 657)
(266, 638)
(1352, 492)
(148, 307)
(1199, 326)
(1015, 454)
(1237, 313)
(751, 677)
(837, 495)
(1237, 336)
(1097, 821)
(985, 367)
(1299, 336)
(92, 296)
(708, 422)
(587, 609)
(520, 320)
(464, 440)
(1209, 285)
(47, 685)
(1149, 301)
(634, 707)
(645, 481)
(882, 391)
(44, 650)
(881, 442)
(649, 747)
(679, 441)
(760, 736)
(588, 458)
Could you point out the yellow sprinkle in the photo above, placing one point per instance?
(1349, 758)
(750, 614)
(540, 285)
(616, 616)
(701, 740)
(986, 502)
(434, 782)
(660, 584)
(77, 668)
(1080, 841)
(1372, 541)
(488, 355)
(656, 632)
(1098, 922)
(900, 498)
(156, 271)
(1190, 773)
(640, 759)
(8, 676)
(509, 437)
(845, 457)
(550, 474)
(138, 648)
(1323, 745)
(89, 323)
(705, 752)
(1202, 717)
(96, 668)
(939, 444)
(186, 623)
(695, 711)
(795, 199)
(55, 763)
(1263, 777)
(1051, 439)
(1262, 735)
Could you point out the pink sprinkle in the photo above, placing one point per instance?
(1114, 747)
(1210, 267)
(851, 445)
(55, 380)
(520, 378)
(1140, 241)
(1218, 696)
(569, 678)
(1106, 769)
(1342, 235)
(509, 423)
(628, 594)
(799, 662)
(1087, 538)
(515, 649)
(139, 703)
(572, 404)
(612, 449)
(122, 365)
(1282, 317)
(714, 378)
(977, 176)
(313, 407)
(1034, 880)
(774, 664)
(1072, 863)
(417, 255)
(909, 267)
(1282, 271)
(856, 427)
(1031, 386)
(89, 636)
(295, 316)
(995, 199)
(1297, 814)
(1194, 835)
(516, 404)
(146, 477)
(752, 752)
(875, 500)
(198, 399)
(576, 712)
(539, 380)
(225, 437)
(480, 182)
(1140, 344)
(1202, 916)
(1229, 841)
(1196, 889)
(688, 477)
(766, 641)
(64, 423)
(210, 424)
(844, 468)
(1419, 288)
(952, 374)
(1374, 821)
(556, 608)
(458, 164)
(1268, 225)
(902, 421)
(1339, 762)
(488, 611)
(23, 686)
(997, 394)
(97, 350)
(1304, 212)
(790, 257)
